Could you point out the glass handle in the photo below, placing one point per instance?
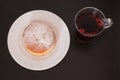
(107, 22)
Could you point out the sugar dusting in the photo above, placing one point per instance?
(39, 38)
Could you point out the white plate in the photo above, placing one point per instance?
(26, 60)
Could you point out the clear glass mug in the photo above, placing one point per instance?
(89, 23)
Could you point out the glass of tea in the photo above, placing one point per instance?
(89, 23)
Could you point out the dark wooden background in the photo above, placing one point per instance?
(99, 60)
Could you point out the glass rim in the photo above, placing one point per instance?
(76, 15)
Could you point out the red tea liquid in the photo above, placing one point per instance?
(88, 26)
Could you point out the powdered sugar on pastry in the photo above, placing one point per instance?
(39, 38)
